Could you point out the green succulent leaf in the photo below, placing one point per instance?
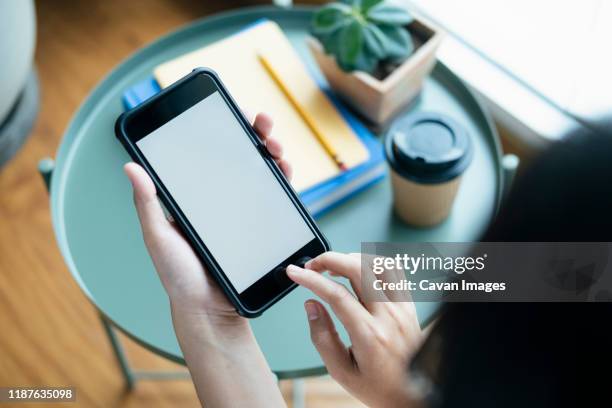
(346, 66)
(331, 43)
(374, 40)
(361, 34)
(384, 13)
(365, 62)
(351, 39)
(398, 43)
(368, 4)
(330, 18)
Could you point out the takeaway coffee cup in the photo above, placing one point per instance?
(428, 153)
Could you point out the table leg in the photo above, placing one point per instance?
(129, 374)
(122, 360)
(299, 393)
(45, 168)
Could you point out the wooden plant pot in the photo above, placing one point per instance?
(379, 100)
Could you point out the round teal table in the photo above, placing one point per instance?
(99, 236)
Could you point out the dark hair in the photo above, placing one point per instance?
(564, 195)
(527, 354)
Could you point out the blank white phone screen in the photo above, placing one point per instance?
(225, 189)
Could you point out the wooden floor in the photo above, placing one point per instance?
(49, 333)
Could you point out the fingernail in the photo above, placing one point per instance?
(308, 265)
(312, 310)
(293, 270)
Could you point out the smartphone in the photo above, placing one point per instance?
(223, 189)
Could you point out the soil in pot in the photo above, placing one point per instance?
(386, 67)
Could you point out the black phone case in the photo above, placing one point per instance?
(203, 253)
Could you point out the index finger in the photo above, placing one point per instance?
(353, 315)
(348, 266)
(341, 265)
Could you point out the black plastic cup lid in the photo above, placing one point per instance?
(428, 147)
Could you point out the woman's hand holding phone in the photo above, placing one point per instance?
(190, 289)
(218, 345)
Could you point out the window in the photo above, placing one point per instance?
(546, 56)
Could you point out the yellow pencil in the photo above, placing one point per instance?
(302, 112)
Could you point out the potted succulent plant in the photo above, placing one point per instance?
(374, 54)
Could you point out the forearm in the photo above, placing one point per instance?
(225, 362)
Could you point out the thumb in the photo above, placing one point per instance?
(325, 338)
(150, 213)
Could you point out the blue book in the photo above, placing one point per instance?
(327, 194)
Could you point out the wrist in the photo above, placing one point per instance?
(225, 362)
(212, 326)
